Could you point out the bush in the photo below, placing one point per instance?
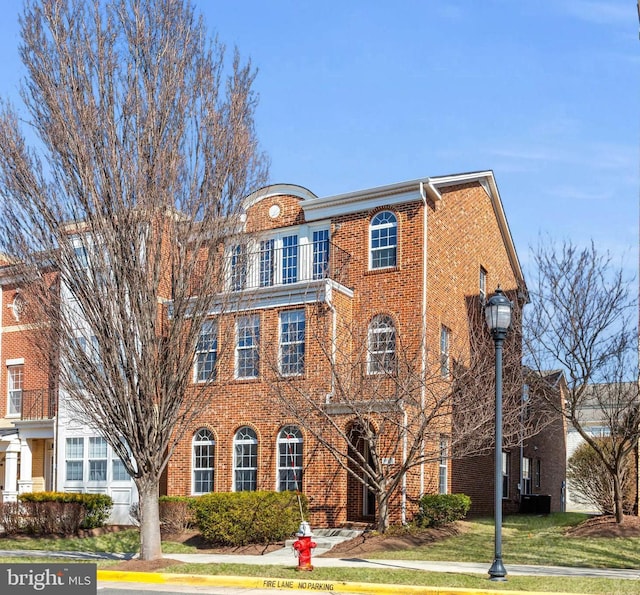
(591, 483)
(239, 518)
(63, 512)
(176, 513)
(11, 521)
(439, 509)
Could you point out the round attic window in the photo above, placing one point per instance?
(274, 211)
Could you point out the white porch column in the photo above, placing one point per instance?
(25, 483)
(11, 474)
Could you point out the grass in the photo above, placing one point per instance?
(537, 540)
(526, 540)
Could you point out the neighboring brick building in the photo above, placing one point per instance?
(409, 258)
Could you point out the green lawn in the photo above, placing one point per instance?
(538, 540)
(526, 540)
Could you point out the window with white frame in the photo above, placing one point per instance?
(204, 452)
(247, 346)
(383, 240)
(290, 259)
(443, 466)
(483, 285)
(506, 466)
(282, 257)
(526, 475)
(207, 352)
(445, 338)
(74, 459)
(15, 382)
(18, 306)
(238, 267)
(81, 255)
(118, 470)
(292, 342)
(381, 352)
(290, 459)
(320, 253)
(245, 460)
(97, 459)
(267, 262)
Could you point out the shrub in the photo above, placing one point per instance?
(11, 521)
(64, 512)
(239, 518)
(439, 509)
(592, 484)
(176, 513)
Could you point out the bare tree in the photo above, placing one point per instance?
(581, 322)
(144, 147)
(392, 405)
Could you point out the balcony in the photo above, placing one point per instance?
(297, 263)
(271, 275)
(38, 405)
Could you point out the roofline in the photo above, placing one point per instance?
(277, 190)
(410, 190)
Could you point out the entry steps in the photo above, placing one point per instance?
(325, 539)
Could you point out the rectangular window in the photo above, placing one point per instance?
(74, 458)
(506, 465)
(320, 253)
(97, 459)
(292, 331)
(207, 352)
(290, 464)
(267, 263)
(238, 267)
(247, 347)
(445, 335)
(290, 259)
(443, 470)
(15, 376)
(526, 475)
(538, 473)
(483, 285)
(81, 256)
(119, 470)
(203, 464)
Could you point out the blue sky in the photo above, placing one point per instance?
(362, 93)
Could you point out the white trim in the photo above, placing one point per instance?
(17, 361)
(277, 190)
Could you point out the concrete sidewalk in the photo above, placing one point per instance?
(286, 557)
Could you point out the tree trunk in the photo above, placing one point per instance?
(617, 498)
(383, 512)
(150, 539)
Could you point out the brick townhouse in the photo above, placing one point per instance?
(405, 260)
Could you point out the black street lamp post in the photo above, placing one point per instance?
(498, 315)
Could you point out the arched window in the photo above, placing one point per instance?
(290, 459)
(381, 355)
(245, 460)
(383, 240)
(204, 454)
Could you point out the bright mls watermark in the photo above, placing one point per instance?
(71, 579)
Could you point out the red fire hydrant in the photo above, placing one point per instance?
(303, 545)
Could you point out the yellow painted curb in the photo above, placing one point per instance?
(252, 582)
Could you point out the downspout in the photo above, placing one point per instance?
(423, 330)
(334, 334)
